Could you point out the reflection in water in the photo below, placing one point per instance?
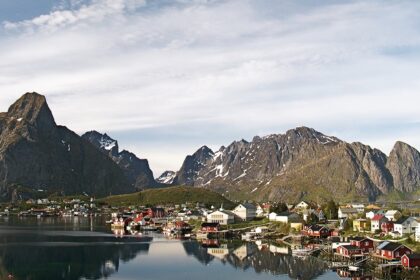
(31, 253)
(260, 258)
(85, 249)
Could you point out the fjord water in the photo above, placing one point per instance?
(85, 248)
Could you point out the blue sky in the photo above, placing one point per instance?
(166, 77)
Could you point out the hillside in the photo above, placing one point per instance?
(170, 195)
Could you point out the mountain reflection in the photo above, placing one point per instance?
(262, 258)
(83, 258)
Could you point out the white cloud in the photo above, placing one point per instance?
(226, 68)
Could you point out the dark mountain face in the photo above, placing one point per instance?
(136, 170)
(302, 163)
(193, 164)
(35, 153)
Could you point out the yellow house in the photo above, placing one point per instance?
(297, 226)
(360, 225)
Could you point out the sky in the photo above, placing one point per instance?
(166, 77)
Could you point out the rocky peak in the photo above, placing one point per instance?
(32, 108)
(404, 165)
(103, 142)
(192, 165)
(136, 170)
(167, 177)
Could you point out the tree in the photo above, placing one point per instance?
(278, 208)
(330, 210)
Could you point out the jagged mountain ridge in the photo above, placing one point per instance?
(36, 153)
(136, 170)
(302, 163)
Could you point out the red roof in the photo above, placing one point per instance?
(377, 217)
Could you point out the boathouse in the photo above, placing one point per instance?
(411, 260)
(348, 250)
(391, 251)
(210, 227)
(316, 231)
(363, 243)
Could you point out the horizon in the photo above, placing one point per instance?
(165, 78)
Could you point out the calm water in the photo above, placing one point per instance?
(84, 248)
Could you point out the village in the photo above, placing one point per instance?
(352, 238)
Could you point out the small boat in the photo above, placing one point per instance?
(353, 268)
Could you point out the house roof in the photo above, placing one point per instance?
(413, 256)
(391, 212)
(389, 246)
(350, 247)
(248, 205)
(378, 217)
(358, 238)
(402, 220)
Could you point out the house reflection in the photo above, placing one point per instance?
(263, 258)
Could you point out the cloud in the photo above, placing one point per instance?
(181, 74)
(96, 11)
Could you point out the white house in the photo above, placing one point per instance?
(417, 233)
(347, 212)
(393, 215)
(285, 217)
(260, 211)
(303, 205)
(405, 225)
(222, 217)
(245, 211)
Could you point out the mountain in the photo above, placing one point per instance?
(37, 154)
(404, 165)
(166, 177)
(192, 165)
(136, 170)
(302, 164)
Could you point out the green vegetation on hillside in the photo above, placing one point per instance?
(172, 195)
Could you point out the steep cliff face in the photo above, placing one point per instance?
(192, 165)
(302, 163)
(35, 153)
(404, 165)
(136, 170)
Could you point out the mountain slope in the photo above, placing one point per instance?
(136, 170)
(35, 153)
(302, 163)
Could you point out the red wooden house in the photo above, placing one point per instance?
(156, 212)
(387, 227)
(348, 250)
(363, 243)
(316, 231)
(411, 260)
(391, 250)
(210, 227)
